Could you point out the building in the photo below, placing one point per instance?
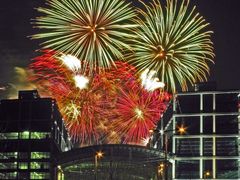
(209, 147)
(32, 134)
(115, 162)
(198, 137)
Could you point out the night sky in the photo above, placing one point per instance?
(17, 49)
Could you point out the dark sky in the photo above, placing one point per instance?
(223, 15)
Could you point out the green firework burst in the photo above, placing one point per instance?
(173, 41)
(95, 31)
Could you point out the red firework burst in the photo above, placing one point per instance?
(81, 108)
(113, 106)
(138, 111)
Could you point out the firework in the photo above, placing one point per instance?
(137, 111)
(149, 81)
(78, 97)
(94, 31)
(107, 107)
(174, 42)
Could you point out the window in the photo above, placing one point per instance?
(207, 103)
(39, 165)
(207, 169)
(39, 175)
(188, 104)
(188, 147)
(227, 124)
(8, 165)
(23, 165)
(227, 169)
(24, 135)
(207, 146)
(187, 169)
(207, 124)
(9, 175)
(226, 103)
(40, 155)
(192, 124)
(12, 135)
(23, 155)
(8, 155)
(40, 135)
(227, 146)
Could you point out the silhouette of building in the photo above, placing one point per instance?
(32, 134)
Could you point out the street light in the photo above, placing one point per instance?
(98, 155)
(164, 167)
(182, 129)
(207, 174)
(160, 170)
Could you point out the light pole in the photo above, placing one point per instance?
(98, 155)
(163, 168)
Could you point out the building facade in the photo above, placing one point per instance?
(32, 134)
(209, 148)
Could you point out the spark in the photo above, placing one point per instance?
(81, 81)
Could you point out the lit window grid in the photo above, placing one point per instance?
(201, 136)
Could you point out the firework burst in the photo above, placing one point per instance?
(79, 97)
(94, 31)
(137, 111)
(106, 107)
(173, 42)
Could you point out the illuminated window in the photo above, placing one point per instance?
(40, 155)
(12, 135)
(10, 165)
(9, 175)
(24, 135)
(39, 175)
(23, 165)
(39, 165)
(40, 135)
(8, 155)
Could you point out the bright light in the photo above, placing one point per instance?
(99, 154)
(71, 62)
(150, 130)
(26, 133)
(207, 173)
(145, 141)
(81, 81)
(182, 129)
(138, 112)
(149, 80)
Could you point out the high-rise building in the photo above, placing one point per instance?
(32, 134)
(209, 145)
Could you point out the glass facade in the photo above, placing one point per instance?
(210, 148)
(39, 175)
(25, 135)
